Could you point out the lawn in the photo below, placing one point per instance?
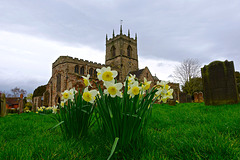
(184, 131)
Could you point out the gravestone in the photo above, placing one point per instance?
(20, 104)
(189, 98)
(182, 97)
(196, 97)
(200, 97)
(172, 102)
(219, 83)
(3, 109)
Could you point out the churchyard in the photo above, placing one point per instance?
(184, 131)
(129, 125)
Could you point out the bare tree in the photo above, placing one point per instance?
(17, 91)
(188, 69)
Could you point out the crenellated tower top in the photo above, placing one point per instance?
(121, 52)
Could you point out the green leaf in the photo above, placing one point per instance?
(56, 125)
(113, 147)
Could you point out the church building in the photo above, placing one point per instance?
(121, 55)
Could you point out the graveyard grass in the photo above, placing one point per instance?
(184, 131)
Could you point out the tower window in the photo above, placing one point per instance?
(58, 82)
(82, 70)
(129, 51)
(113, 51)
(76, 69)
(91, 72)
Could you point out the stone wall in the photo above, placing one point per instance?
(219, 83)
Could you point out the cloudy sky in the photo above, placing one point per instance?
(34, 33)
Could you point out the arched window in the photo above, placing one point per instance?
(91, 72)
(58, 82)
(76, 69)
(95, 73)
(82, 70)
(129, 51)
(113, 51)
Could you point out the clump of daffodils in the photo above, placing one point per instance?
(47, 110)
(114, 89)
(164, 92)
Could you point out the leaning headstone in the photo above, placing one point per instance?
(219, 83)
(196, 97)
(200, 97)
(189, 98)
(3, 109)
(182, 97)
(20, 104)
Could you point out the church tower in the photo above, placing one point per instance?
(121, 53)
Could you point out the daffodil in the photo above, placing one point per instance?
(113, 89)
(72, 93)
(54, 109)
(89, 96)
(86, 80)
(106, 74)
(62, 104)
(131, 79)
(66, 95)
(134, 89)
(146, 84)
(98, 73)
(27, 111)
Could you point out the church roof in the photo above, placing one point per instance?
(155, 78)
(137, 73)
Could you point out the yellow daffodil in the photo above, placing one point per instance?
(27, 111)
(113, 89)
(98, 72)
(62, 103)
(54, 109)
(86, 80)
(66, 95)
(134, 89)
(72, 93)
(131, 79)
(89, 96)
(106, 74)
(146, 84)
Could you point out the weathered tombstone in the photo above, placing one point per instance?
(172, 102)
(20, 104)
(182, 97)
(189, 98)
(196, 97)
(219, 83)
(3, 109)
(200, 97)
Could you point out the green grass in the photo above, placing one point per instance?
(184, 131)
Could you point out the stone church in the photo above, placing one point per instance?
(121, 55)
